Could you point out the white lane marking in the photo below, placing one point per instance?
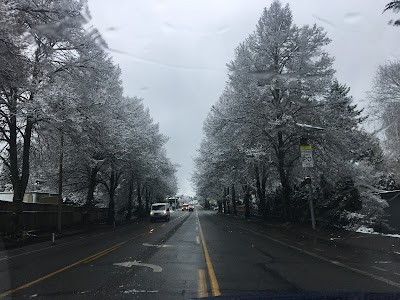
(300, 244)
(158, 246)
(320, 250)
(397, 252)
(378, 268)
(177, 218)
(198, 240)
(382, 279)
(197, 228)
(134, 291)
(151, 230)
(129, 264)
(340, 256)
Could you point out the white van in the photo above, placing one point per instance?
(159, 211)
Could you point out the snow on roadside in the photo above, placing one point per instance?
(365, 229)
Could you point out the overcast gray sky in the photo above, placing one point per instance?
(176, 52)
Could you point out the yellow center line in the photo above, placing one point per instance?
(104, 252)
(85, 260)
(202, 284)
(211, 273)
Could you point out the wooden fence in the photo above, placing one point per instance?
(44, 216)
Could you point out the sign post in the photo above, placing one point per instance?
(307, 163)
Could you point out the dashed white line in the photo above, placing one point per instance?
(320, 250)
(380, 269)
(198, 240)
(302, 244)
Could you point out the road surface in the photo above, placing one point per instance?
(196, 254)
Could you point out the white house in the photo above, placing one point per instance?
(32, 197)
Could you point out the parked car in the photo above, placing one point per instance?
(159, 211)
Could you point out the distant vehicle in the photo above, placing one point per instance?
(159, 211)
(215, 208)
(185, 207)
(191, 208)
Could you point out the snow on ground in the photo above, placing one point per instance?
(365, 229)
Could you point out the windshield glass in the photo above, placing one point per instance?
(175, 149)
(158, 207)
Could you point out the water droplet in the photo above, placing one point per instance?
(168, 27)
(324, 20)
(352, 18)
(223, 30)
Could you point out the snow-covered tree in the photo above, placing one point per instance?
(281, 90)
(62, 109)
(385, 103)
(42, 39)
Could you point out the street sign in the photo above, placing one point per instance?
(305, 147)
(306, 157)
(307, 162)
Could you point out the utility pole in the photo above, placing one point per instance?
(60, 186)
(308, 163)
(310, 191)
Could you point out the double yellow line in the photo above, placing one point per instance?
(211, 274)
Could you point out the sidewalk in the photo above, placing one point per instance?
(37, 236)
(333, 236)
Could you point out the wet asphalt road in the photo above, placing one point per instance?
(193, 255)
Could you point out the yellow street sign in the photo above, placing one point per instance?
(307, 147)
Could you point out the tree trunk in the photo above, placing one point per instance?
(224, 201)
(147, 199)
(19, 182)
(111, 193)
(111, 209)
(283, 177)
(220, 207)
(130, 197)
(139, 198)
(246, 202)
(114, 178)
(227, 196)
(233, 192)
(92, 186)
(260, 187)
(264, 191)
(60, 185)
